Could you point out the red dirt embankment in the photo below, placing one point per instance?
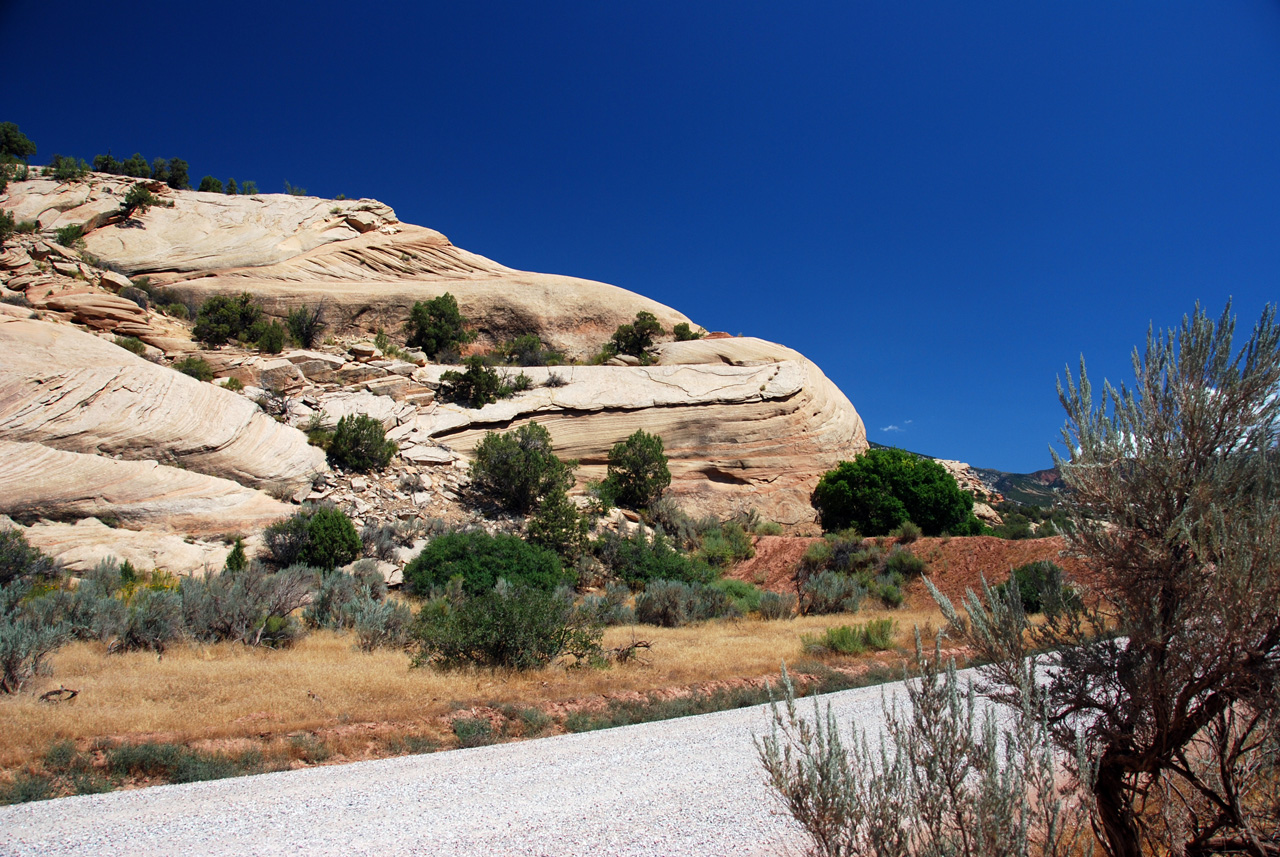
(955, 564)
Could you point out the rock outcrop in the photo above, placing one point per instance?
(745, 423)
(89, 430)
(72, 391)
(39, 481)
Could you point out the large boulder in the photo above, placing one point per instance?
(69, 390)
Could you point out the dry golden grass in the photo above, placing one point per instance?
(230, 692)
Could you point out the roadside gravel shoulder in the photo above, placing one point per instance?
(691, 786)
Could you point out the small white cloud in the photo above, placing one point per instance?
(895, 428)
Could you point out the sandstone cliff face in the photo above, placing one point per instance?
(69, 390)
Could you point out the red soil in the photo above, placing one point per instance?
(955, 564)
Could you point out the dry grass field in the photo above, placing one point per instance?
(357, 705)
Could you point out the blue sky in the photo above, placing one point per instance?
(940, 203)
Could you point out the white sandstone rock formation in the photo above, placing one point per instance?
(72, 391)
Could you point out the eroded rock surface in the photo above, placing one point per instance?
(68, 390)
(40, 481)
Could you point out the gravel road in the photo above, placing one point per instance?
(691, 786)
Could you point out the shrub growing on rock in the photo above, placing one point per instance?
(306, 324)
(638, 472)
(223, 318)
(636, 338)
(479, 560)
(437, 325)
(196, 367)
(359, 443)
(477, 386)
(684, 333)
(518, 468)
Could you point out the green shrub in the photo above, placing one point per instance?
(7, 225)
(517, 469)
(319, 536)
(883, 488)
(210, 185)
(768, 528)
(473, 732)
(635, 339)
(1037, 583)
(726, 545)
(437, 325)
(512, 627)
(139, 200)
(611, 608)
(359, 444)
(477, 386)
(906, 533)
(271, 337)
(638, 559)
(67, 236)
(223, 318)
(528, 350)
(25, 788)
(638, 472)
(831, 592)
(558, 525)
(131, 344)
(684, 333)
(64, 168)
(252, 606)
(673, 604)
(745, 597)
(235, 385)
(154, 621)
(777, 605)
(480, 559)
(232, 189)
(904, 564)
(306, 324)
(196, 367)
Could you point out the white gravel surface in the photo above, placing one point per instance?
(691, 786)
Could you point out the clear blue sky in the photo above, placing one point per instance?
(940, 203)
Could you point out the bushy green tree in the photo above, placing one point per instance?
(359, 443)
(637, 337)
(638, 472)
(318, 536)
(65, 168)
(437, 325)
(882, 488)
(14, 144)
(7, 226)
(232, 190)
(210, 185)
(136, 167)
(178, 177)
(518, 468)
(480, 559)
(270, 336)
(640, 558)
(223, 318)
(196, 367)
(558, 525)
